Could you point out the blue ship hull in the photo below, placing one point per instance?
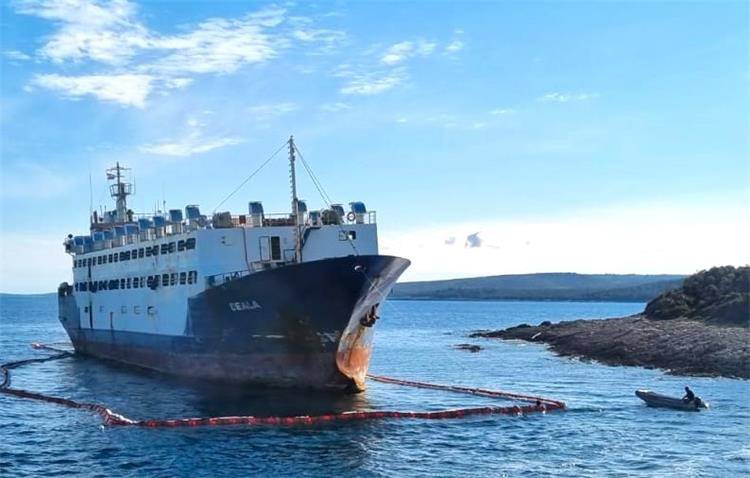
(302, 325)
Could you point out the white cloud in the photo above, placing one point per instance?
(648, 238)
(16, 55)
(425, 48)
(177, 82)
(142, 61)
(454, 47)
(89, 29)
(558, 97)
(502, 111)
(400, 52)
(194, 142)
(397, 53)
(373, 83)
(273, 110)
(326, 38)
(335, 107)
(189, 145)
(126, 89)
(219, 46)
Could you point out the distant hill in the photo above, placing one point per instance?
(719, 295)
(546, 286)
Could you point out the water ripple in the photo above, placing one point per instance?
(607, 430)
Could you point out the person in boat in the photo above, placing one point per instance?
(689, 395)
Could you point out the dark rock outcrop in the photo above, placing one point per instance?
(468, 347)
(681, 346)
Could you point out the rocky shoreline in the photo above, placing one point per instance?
(680, 346)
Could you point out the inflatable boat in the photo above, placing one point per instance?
(654, 399)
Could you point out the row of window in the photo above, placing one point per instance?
(152, 282)
(166, 248)
(124, 310)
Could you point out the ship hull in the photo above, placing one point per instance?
(303, 325)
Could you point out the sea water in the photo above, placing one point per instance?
(606, 431)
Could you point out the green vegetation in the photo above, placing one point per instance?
(547, 286)
(718, 295)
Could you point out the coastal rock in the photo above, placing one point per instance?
(702, 328)
(681, 346)
(468, 347)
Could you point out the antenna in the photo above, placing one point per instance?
(295, 205)
(91, 198)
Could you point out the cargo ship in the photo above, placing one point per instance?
(287, 299)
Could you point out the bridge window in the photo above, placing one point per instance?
(192, 277)
(183, 278)
(180, 246)
(190, 243)
(173, 279)
(165, 280)
(127, 281)
(164, 248)
(140, 253)
(122, 283)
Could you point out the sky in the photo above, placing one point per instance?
(490, 137)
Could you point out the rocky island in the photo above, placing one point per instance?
(701, 328)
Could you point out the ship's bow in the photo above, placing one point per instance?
(309, 324)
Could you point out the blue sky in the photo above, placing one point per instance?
(618, 129)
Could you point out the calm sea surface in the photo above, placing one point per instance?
(607, 430)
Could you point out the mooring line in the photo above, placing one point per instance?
(536, 404)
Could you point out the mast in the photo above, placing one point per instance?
(119, 190)
(295, 204)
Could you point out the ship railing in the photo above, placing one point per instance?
(286, 219)
(241, 220)
(216, 280)
(226, 277)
